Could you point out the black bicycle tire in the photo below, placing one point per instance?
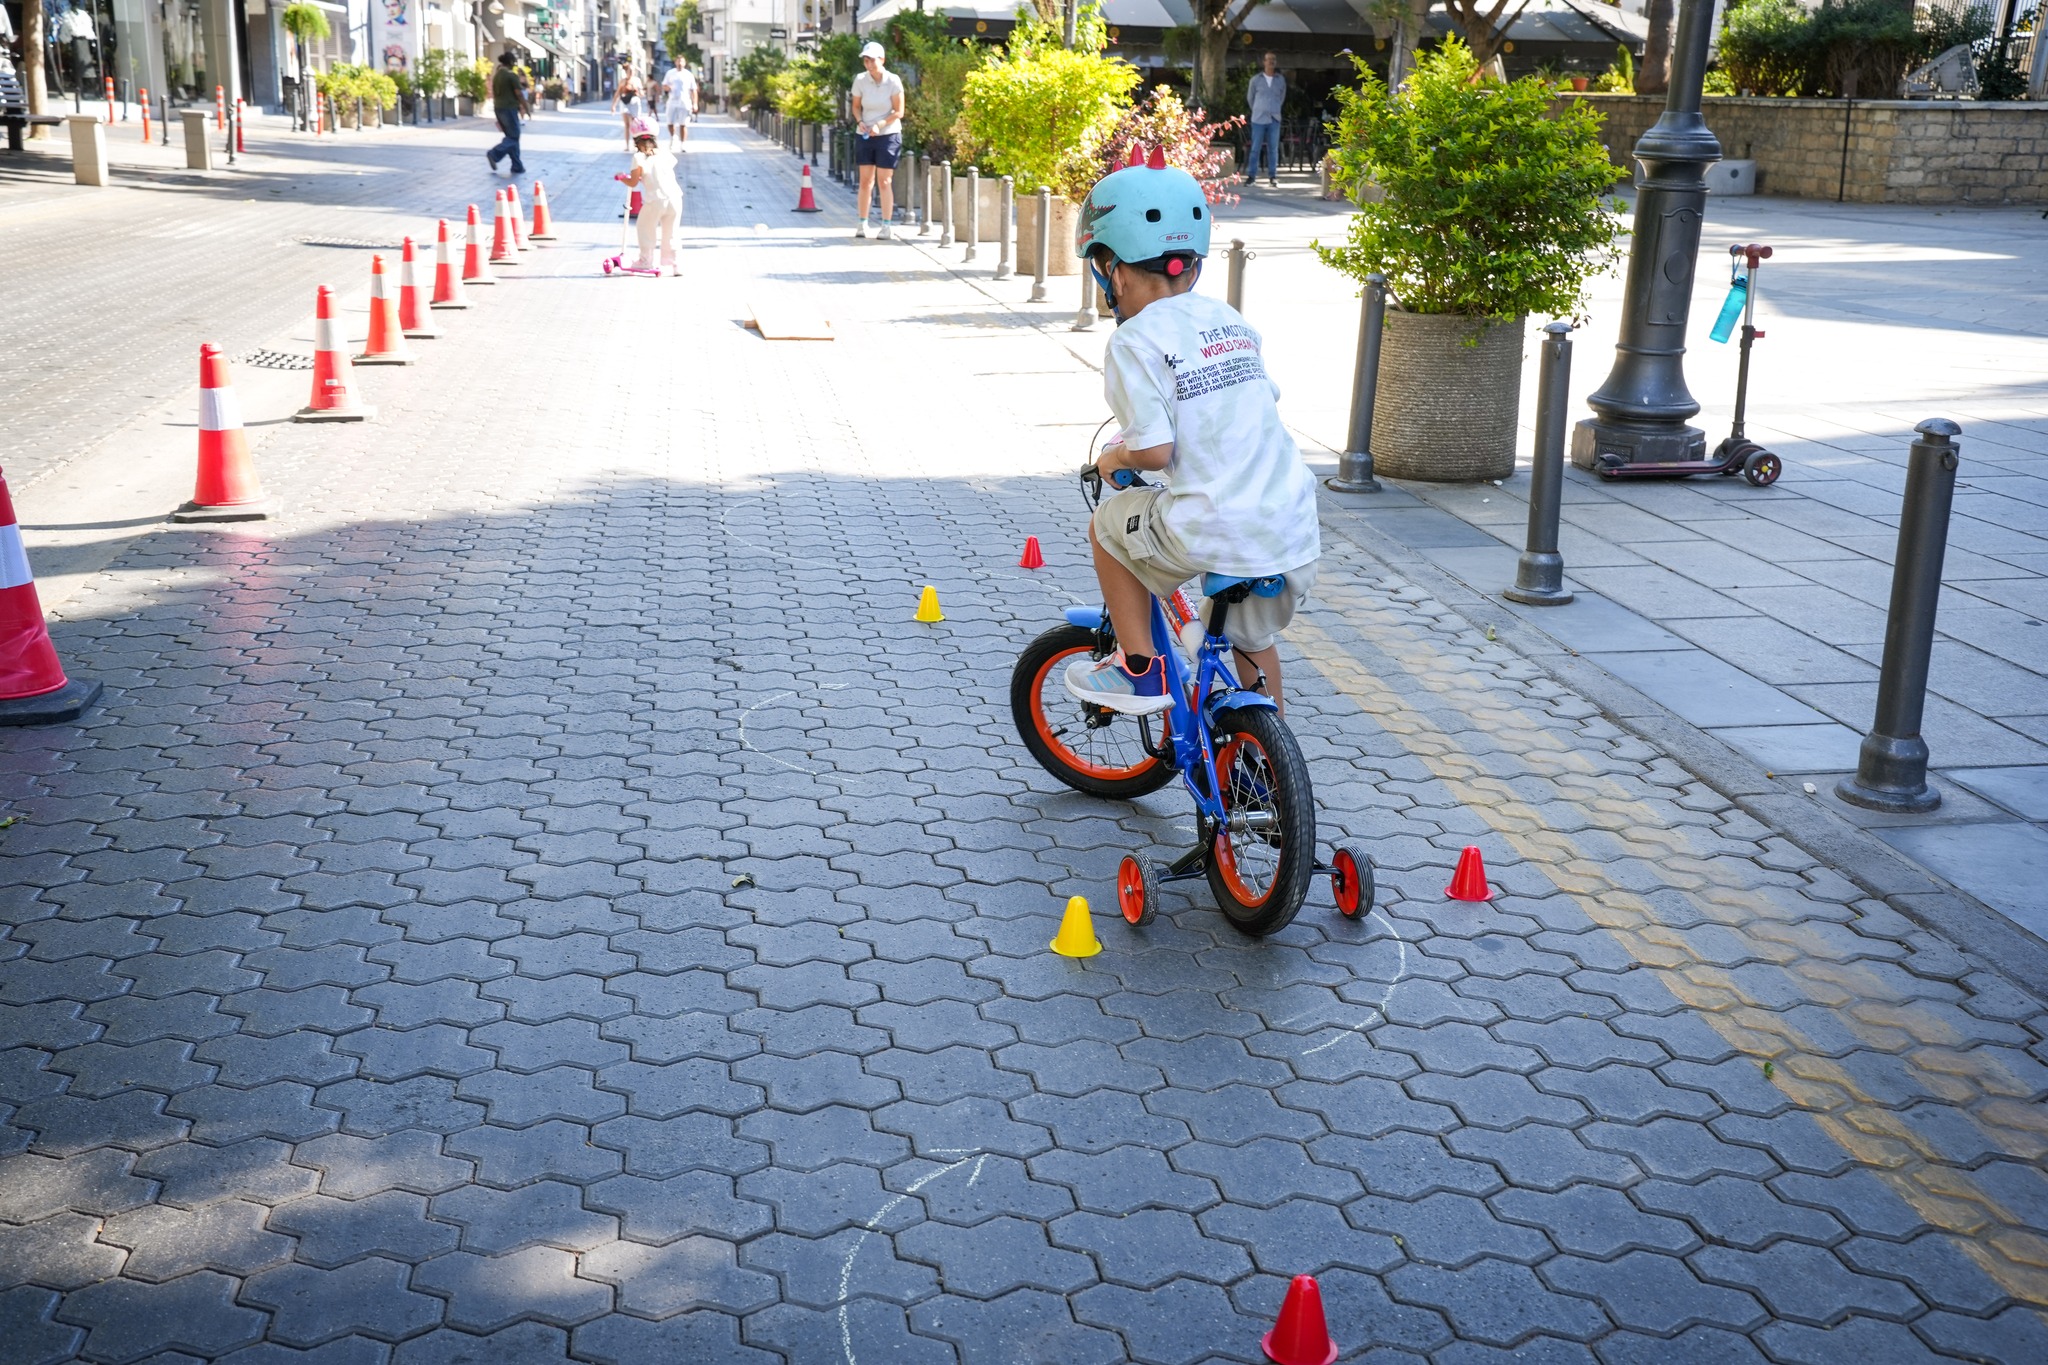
(1294, 798)
(1024, 685)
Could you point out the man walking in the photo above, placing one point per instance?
(681, 102)
(878, 119)
(1267, 95)
(509, 102)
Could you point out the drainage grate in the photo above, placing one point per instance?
(349, 243)
(275, 360)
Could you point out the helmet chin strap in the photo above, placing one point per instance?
(1102, 282)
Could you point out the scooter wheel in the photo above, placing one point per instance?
(1762, 468)
(1351, 879)
(608, 267)
(1137, 891)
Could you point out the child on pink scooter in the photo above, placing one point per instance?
(654, 176)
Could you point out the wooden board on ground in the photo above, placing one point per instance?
(779, 321)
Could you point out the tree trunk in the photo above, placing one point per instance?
(1654, 76)
(1408, 30)
(32, 50)
(1212, 47)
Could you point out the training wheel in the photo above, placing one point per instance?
(1351, 879)
(1137, 891)
(1762, 468)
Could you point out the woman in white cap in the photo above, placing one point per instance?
(878, 118)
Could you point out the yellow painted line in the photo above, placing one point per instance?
(1647, 882)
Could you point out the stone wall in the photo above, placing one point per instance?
(1897, 151)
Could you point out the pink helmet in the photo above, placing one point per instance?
(644, 127)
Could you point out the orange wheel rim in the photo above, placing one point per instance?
(1223, 851)
(1130, 890)
(1047, 734)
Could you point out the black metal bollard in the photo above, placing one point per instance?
(1354, 466)
(1539, 573)
(1891, 767)
(1234, 291)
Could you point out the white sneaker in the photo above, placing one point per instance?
(885, 234)
(861, 228)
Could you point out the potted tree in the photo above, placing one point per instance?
(1490, 208)
(306, 24)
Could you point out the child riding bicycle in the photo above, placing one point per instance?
(1185, 377)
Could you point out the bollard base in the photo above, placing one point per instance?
(51, 708)
(1354, 474)
(1891, 776)
(1539, 580)
(1537, 597)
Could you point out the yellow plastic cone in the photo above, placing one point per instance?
(1076, 937)
(928, 605)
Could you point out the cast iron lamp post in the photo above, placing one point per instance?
(1640, 410)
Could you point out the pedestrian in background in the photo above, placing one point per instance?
(1267, 95)
(679, 87)
(508, 102)
(626, 100)
(878, 122)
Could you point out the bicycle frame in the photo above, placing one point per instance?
(1198, 701)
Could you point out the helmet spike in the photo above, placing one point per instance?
(1157, 161)
(1137, 155)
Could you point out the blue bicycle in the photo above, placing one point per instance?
(1254, 807)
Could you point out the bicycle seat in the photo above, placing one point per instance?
(1217, 584)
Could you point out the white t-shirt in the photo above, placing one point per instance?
(1190, 371)
(658, 181)
(681, 84)
(872, 101)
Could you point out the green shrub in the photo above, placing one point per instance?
(473, 79)
(749, 85)
(1620, 78)
(1185, 137)
(307, 23)
(803, 90)
(1859, 47)
(1034, 112)
(1491, 202)
(430, 73)
(934, 67)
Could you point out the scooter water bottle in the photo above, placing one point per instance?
(1731, 309)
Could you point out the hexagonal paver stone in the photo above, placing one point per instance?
(1125, 1179)
(486, 1293)
(974, 1189)
(879, 1331)
(662, 1210)
(2016, 1334)
(545, 1213)
(995, 1257)
(309, 1305)
(815, 1203)
(1497, 1302)
(127, 1319)
(824, 1271)
(621, 1340)
(1266, 1172)
(334, 1232)
(511, 1157)
(1679, 1149)
(32, 1339)
(57, 1253)
(1694, 1346)
(1805, 1283)
(1177, 1324)
(1590, 1220)
(1146, 1249)
(165, 1242)
(354, 1167)
(692, 1272)
(528, 1343)
(1737, 1212)
(1028, 1324)
(33, 1187)
(1654, 1293)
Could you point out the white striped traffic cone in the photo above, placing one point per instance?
(475, 268)
(33, 688)
(334, 382)
(447, 281)
(414, 319)
(226, 488)
(502, 251)
(543, 220)
(386, 345)
(518, 228)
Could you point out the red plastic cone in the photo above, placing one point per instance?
(386, 345)
(475, 269)
(806, 202)
(447, 283)
(334, 381)
(515, 213)
(414, 319)
(1301, 1336)
(1468, 883)
(543, 221)
(33, 688)
(226, 488)
(502, 252)
(1033, 557)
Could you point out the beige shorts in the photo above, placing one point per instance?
(1127, 525)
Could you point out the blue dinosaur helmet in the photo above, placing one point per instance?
(1143, 212)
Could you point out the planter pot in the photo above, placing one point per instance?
(464, 106)
(1579, 83)
(1064, 215)
(1446, 410)
(991, 207)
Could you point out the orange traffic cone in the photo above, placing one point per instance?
(33, 688)
(334, 382)
(1468, 883)
(414, 319)
(1301, 1336)
(515, 213)
(543, 221)
(1033, 558)
(806, 202)
(227, 488)
(447, 283)
(475, 269)
(501, 235)
(386, 345)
